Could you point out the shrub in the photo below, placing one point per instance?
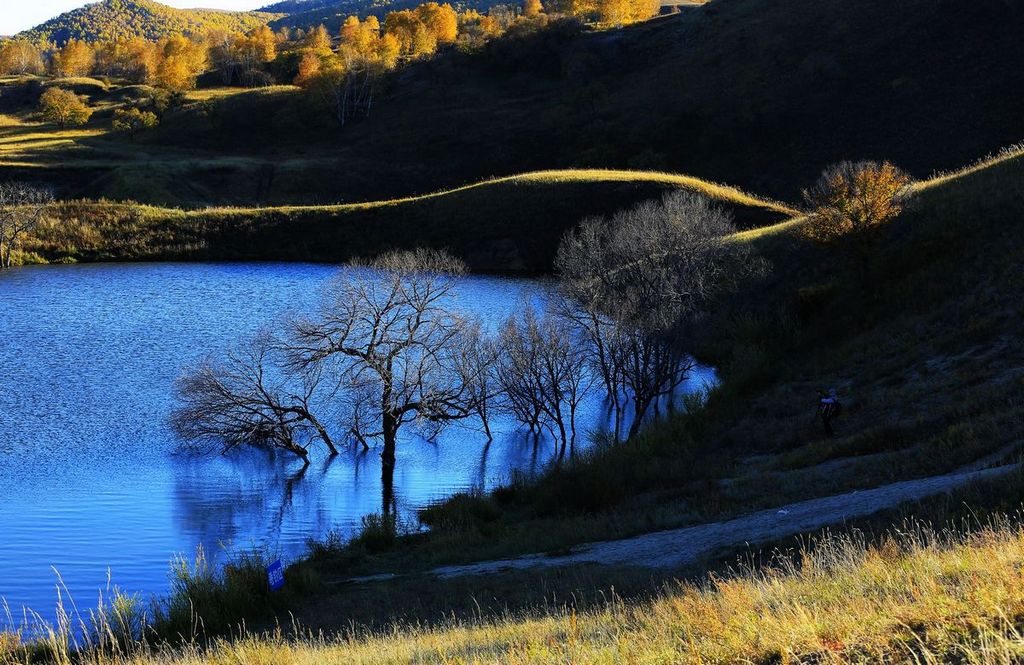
(464, 511)
(379, 533)
(853, 200)
(132, 121)
(331, 545)
(205, 602)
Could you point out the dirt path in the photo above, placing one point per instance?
(678, 548)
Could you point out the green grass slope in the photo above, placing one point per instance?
(507, 224)
(122, 19)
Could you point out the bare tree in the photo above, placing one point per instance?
(22, 208)
(477, 365)
(247, 400)
(389, 339)
(545, 372)
(635, 281)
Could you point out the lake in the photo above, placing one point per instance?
(97, 488)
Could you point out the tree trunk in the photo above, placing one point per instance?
(486, 421)
(299, 452)
(387, 456)
(322, 431)
(639, 413)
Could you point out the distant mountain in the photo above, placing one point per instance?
(122, 19)
(297, 6)
(332, 13)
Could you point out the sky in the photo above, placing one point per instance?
(18, 15)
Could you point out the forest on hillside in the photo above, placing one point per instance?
(338, 69)
(119, 20)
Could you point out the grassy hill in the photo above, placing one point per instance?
(505, 224)
(122, 19)
(913, 598)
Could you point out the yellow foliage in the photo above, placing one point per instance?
(388, 51)
(140, 60)
(64, 107)
(309, 68)
(19, 56)
(318, 40)
(854, 198)
(532, 8)
(182, 61)
(424, 41)
(624, 12)
(440, 20)
(361, 37)
(402, 24)
(75, 59)
(261, 43)
(135, 59)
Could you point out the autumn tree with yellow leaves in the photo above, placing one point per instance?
(240, 56)
(319, 40)
(345, 80)
(135, 59)
(609, 12)
(440, 20)
(182, 60)
(20, 57)
(76, 58)
(852, 201)
(64, 108)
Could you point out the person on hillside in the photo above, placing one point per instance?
(829, 408)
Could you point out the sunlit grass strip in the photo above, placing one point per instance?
(66, 135)
(207, 94)
(771, 230)
(918, 597)
(1005, 155)
(1008, 153)
(712, 190)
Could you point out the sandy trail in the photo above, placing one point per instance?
(678, 548)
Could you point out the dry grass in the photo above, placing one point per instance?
(717, 192)
(917, 597)
(212, 94)
(505, 224)
(1007, 154)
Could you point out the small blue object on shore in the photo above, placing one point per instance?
(275, 575)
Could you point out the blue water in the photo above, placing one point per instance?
(96, 487)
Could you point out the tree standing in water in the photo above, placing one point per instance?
(387, 336)
(634, 282)
(246, 399)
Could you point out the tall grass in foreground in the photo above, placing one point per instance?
(916, 596)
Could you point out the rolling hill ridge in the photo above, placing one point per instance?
(123, 19)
